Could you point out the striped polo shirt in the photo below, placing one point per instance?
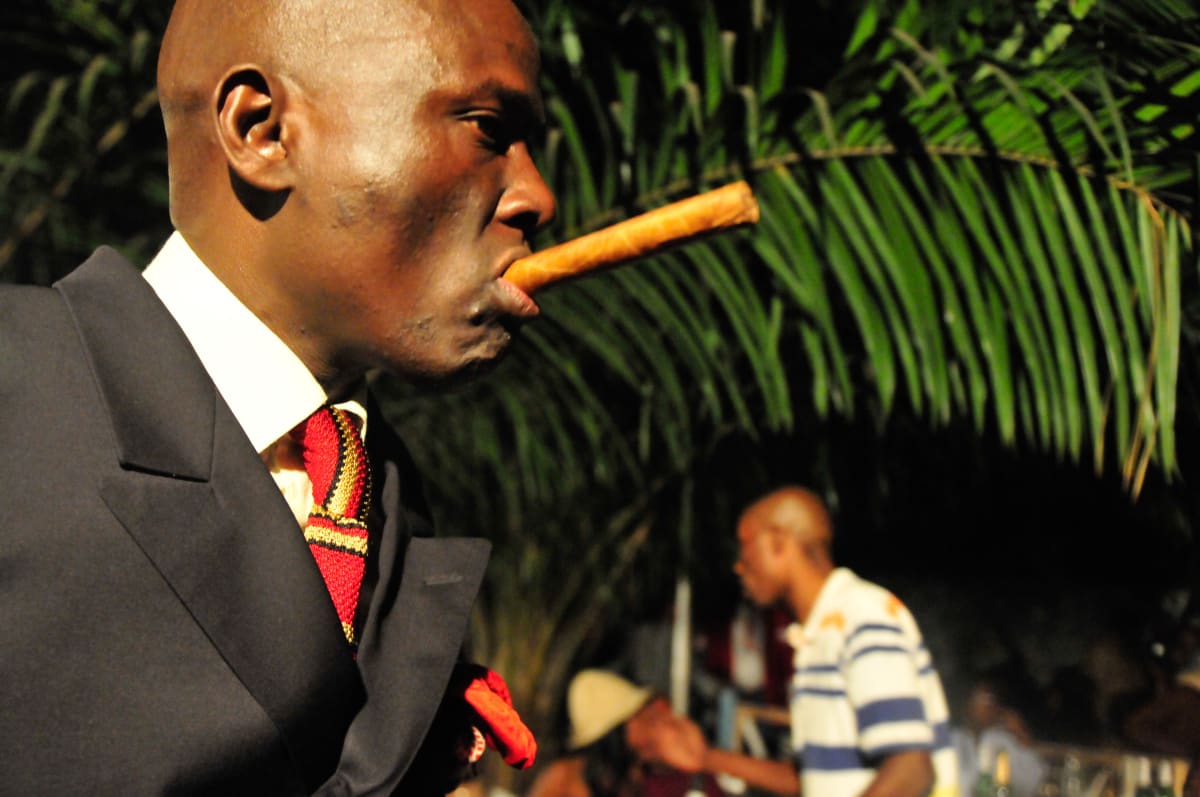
(864, 687)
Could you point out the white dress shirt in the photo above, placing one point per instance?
(268, 388)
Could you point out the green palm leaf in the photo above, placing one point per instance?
(965, 232)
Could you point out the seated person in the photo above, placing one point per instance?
(1169, 722)
(621, 737)
(996, 718)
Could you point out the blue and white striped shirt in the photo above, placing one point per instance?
(864, 688)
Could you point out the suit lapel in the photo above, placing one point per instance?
(196, 498)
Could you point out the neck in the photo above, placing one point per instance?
(805, 589)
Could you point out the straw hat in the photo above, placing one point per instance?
(598, 701)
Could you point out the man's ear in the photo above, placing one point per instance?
(250, 128)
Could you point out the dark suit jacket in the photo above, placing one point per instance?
(163, 627)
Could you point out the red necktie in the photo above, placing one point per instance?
(336, 532)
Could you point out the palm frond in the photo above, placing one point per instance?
(82, 158)
(969, 236)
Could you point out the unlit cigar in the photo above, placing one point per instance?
(722, 208)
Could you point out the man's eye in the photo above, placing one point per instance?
(495, 132)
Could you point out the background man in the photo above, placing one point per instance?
(348, 182)
(997, 714)
(868, 712)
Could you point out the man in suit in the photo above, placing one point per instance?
(349, 180)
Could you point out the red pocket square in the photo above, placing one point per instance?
(488, 695)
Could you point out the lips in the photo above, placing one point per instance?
(516, 302)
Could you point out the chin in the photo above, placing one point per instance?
(458, 366)
(458, 376)
(758, 598)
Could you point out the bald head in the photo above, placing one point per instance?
(276, 46)
(204, 38)
(359, 174)
(303, 39)
(784, 549)
(309, 41)
(797, 512)
(210, 46)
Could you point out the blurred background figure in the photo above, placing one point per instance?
(868, 713)
(1071, 712)
(744, 659)
(997, 715)
(1169, 722)
(623, 740)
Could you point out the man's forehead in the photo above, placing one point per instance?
(751, 525)
(477, 45)
(350, 37)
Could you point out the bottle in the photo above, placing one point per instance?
(1072, 776)
(985, 783)
(1165, 786)
(1051, 785)
(1145, 781)
(1002, 775)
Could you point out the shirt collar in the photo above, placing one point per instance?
(264, 383)
(827, 598)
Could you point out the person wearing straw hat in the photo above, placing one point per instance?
(623, 740)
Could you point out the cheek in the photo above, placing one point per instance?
(382, 186)
(411, 252)
(754, 565)
(434, 226)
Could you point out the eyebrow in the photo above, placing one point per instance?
(517, 103)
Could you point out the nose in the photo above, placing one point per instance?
(528, 203)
